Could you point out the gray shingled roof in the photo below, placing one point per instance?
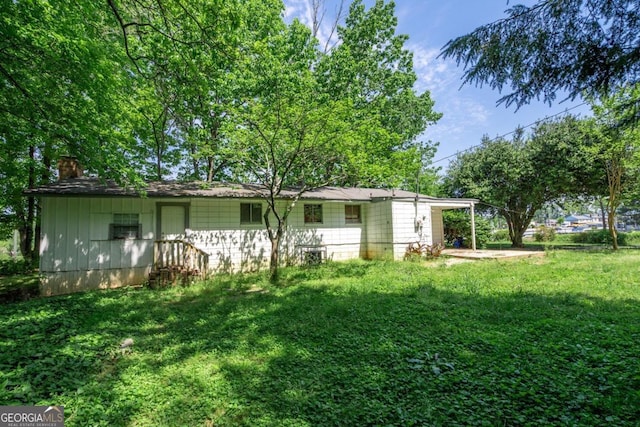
(94, 187)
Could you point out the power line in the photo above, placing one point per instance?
(512, 132)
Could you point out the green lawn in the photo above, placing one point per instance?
(544, 341)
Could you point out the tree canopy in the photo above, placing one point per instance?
(347, 116)
(205, 90)
(515, 178)
(615, 150)
(554, 46)
(372, 70)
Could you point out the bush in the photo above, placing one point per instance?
(10, 267)
(633, 238)
(544, 234)
(598, 237)
(458, 224)
(500, 235)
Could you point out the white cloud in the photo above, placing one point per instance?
(434, 74)
(303, 10)
(461, 114)
(300, 9)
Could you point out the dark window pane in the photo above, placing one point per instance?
(250, 213)
(352, 214)
(312, 214)
(245, 212)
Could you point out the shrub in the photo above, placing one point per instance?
(500, 235)
(458, 224)
(598, 237)
(544, 234)
(9, 267)
(633, 238)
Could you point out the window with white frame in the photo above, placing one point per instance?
(125, 226)
(352, 214)
(250, 213)
(313, 214)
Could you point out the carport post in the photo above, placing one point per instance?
(473, 227)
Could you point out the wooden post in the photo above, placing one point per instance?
(473, 227)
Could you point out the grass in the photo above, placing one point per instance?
(551, 341)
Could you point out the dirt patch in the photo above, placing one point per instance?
(491, 254)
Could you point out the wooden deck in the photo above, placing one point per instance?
(177, 260)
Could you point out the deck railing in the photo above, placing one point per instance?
(179, 254)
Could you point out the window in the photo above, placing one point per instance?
(250, 213)
(312, 214)
(125, 226)
(352, 214)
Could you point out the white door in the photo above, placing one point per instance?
(172, 221)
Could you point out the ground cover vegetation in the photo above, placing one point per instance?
(18, 278)
(544, 237)
(544, 341)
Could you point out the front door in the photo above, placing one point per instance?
(173, 219)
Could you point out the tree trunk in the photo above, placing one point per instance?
(516, 229)
(26, 230)
(276, 236)
(611, 220)
(603, 213)
(44, 179)
(615, 171)
(516, 241)
(275, 255)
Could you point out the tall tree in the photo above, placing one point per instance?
(371, 69)
(63, 90)
(516, 178)
(616, 148)
(181, 50)
(285, 137)
(194, 52)
(347, 117)
(577, 46)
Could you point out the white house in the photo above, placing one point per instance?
(99, 235)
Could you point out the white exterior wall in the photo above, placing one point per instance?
(379, 230)
(411, 223)
(342, 241)
(76, 253)
(216, 229)
(437, 225)
(75, 250)
(232, 246)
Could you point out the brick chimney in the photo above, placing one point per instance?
(68, 167)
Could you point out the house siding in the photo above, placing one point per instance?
(76, 252)
(235, 247)
(379, 230)
(411, 223)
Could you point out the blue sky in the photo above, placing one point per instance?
(468, 112)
